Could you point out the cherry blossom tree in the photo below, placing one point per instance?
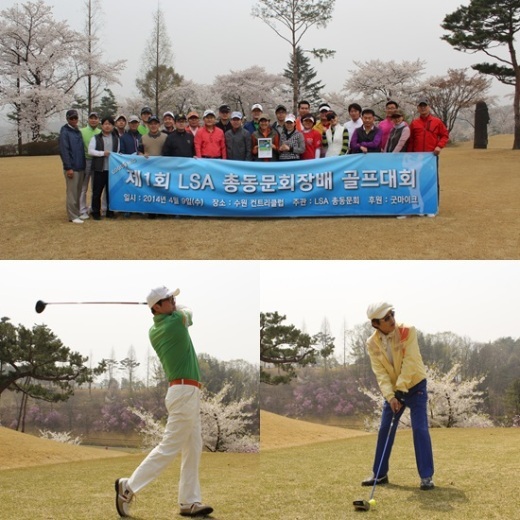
(41, 63)
(224, 426)
(452, 402)
(449, 95)
(243, 88)
(379, 81)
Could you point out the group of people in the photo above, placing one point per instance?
(85, 151)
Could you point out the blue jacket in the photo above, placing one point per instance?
(251, 127)
(72, 149)
(129, 143)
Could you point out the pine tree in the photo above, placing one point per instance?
(308, 89)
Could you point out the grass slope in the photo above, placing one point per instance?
(479, 219)
(20, 450)
(281, 432)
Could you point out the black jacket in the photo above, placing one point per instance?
(179, 144)
(97, 162)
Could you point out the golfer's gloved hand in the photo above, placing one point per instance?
(400, 396)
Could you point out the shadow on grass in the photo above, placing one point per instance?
(440, 499)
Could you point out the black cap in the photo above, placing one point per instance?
(280, 107)
(146, 110)
(154, 118)
(72, 113)
(180, 117)
(224, 108)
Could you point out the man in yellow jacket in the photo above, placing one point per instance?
(401, 375)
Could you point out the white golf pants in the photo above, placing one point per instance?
(182, 434)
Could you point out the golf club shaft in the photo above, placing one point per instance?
(382, 456)
(95, 303)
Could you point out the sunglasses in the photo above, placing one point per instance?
(170, 299)
(390, 315)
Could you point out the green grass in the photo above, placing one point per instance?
(476, 478)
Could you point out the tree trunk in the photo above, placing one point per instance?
(516, 105)
(20, 425)
(295, 78)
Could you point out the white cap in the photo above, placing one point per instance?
(257, 105)
(290, 117)
(168, 114)
(209, 112)
(160, 293)
(325, 108)
(133, 119)
(378, 310)
(236, 115)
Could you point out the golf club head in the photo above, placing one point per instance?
(40, 306)
(361, 505)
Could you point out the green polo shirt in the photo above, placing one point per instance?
(171, 340)
(88, 133)
(143, 129)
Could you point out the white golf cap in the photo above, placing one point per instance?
(236, 115)
(208, 112)
(378, 310)
(290, 117)
(257, 106)
(160, 293)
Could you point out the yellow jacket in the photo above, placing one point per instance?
(408, 368)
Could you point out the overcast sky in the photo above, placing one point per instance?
(477, 299)
(210, 37)
(223, 296)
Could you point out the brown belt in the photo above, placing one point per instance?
(191, 382)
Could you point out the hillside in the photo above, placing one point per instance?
(21, 450)
(277, 432)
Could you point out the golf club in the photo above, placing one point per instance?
(364, 505)
(40, 305)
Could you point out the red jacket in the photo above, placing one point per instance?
(210, 144)
(427, 133)
(312, 143)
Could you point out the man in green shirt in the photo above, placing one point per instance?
(146, 113)
(172, 342)
(87, 133)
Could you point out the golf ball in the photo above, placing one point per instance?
(372, 502)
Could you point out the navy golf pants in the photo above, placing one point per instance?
(416, 399)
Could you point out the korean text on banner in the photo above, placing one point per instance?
(352, 185)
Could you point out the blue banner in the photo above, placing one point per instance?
(351, 185)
